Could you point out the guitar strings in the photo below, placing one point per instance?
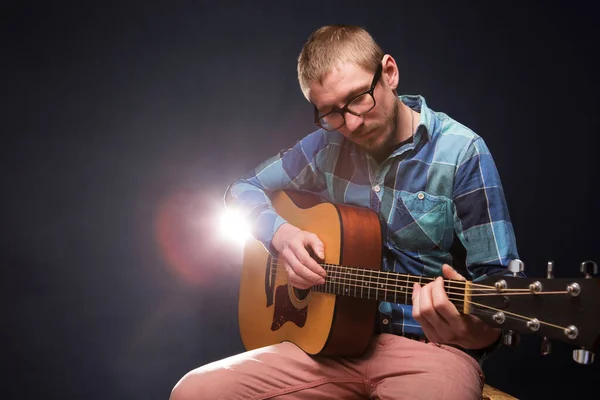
(391, 277)
(462, 295)
(490, 309)
(351, 271)
(385, 278)
(368, 273)
(386, 284)
(407, 289)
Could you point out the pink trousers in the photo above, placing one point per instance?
(394, 367)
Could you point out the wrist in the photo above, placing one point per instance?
(282, 232)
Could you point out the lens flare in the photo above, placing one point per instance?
(197, 238)
(234, 226)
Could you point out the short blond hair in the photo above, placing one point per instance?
(331, 45)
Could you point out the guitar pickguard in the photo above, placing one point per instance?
(285, 311)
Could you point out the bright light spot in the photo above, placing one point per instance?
(234, 226)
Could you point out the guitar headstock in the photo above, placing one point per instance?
(563, 309)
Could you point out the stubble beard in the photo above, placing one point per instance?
(386, 140)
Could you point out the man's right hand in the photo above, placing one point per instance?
(292, 244)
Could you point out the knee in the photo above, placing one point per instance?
(189, 387)
(180, 391)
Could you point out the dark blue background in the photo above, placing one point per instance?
(123, 123)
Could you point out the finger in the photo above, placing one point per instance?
(415, 300)
(425, 302)
(295, 280)
(301, 269)
(312, 242)
(442, 304)
(292, 266)
(451, 273)
(316, 245)
(305, 258)
(428, 329)
(430, 332)
(427, 307)
(311, 267)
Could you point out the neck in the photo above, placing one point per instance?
(403, 130)
(406, 121)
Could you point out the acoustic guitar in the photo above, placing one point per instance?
(338, 317)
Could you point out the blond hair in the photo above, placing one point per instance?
(331, 45)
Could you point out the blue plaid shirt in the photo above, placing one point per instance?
(441, 186)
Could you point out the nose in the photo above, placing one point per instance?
(353, 122)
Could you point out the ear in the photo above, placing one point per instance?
(390, 71)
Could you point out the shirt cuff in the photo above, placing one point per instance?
(264, 228)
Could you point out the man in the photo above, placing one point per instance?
(434, 184)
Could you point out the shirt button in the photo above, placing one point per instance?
(376, 188)
(385, 321)
(421, 196)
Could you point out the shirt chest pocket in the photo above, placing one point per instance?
(419, 221)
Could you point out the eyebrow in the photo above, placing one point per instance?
(351, 94)
(356, 91)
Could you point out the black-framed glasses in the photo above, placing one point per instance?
(359, 105)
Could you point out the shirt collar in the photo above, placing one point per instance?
(427, 121)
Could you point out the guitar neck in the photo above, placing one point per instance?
(379, 285)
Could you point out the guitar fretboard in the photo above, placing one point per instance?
(381, 285)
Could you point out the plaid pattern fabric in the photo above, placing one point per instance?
(441, 185)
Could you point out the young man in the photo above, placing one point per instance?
(434, 184)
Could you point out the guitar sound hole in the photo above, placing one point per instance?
(301, 294)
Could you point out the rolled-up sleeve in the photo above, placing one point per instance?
(296, 168)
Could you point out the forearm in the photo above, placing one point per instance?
(295, 169)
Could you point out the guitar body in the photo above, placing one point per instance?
(271, 311)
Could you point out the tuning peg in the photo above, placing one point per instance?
(589, 268)
(515, 266)
(511, 338)
(583, 356)
(546, 347)
(550, 270)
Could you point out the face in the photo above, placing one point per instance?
(374, 130)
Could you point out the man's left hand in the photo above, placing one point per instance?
(440, 319)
